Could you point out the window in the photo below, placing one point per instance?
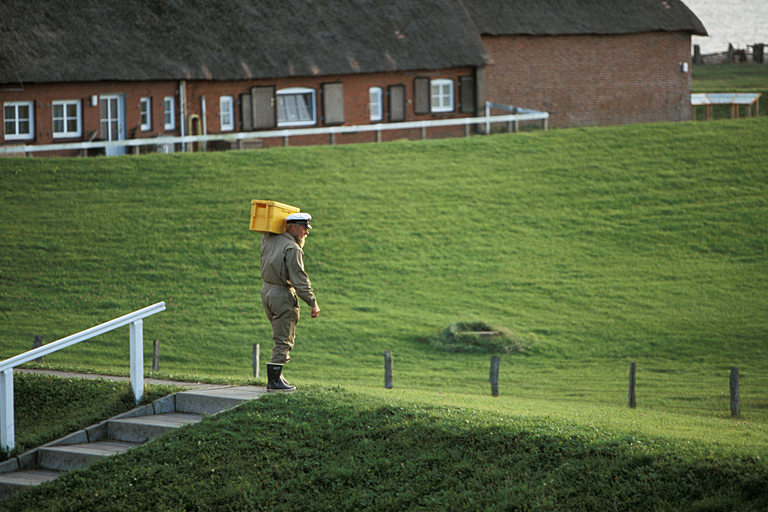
(374, 104)
(296, 107)
(17, 120)
(227, 113)
(66, 118)
(169, 106)
(145, 104)
(442, 95)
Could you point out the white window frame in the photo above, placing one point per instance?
(66, 118)
(227, 113)
(375, 103)
(169, 109)
(145, 113)
(441, 95)
(291, 115)
(19, 135)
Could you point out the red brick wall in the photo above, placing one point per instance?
(355, 103)
(584, 80)
(355, 107)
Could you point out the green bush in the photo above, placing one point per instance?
(479, 337)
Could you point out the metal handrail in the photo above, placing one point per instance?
(7, 434)
(521, 115)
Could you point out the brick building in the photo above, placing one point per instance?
(108, 70)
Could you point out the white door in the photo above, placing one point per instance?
(112, 127)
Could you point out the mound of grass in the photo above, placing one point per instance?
(328, 449)
(474, 337)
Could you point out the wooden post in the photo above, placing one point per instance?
(255, 360)
(632, 381)
(697, 58)
(494, 378)
(735, 405)
(155, 355)
(37, 341)
(388, 369)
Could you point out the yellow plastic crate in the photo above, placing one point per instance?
(269, 216)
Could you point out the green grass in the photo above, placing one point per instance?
(329, 449)
(731, 78)
(603, 245)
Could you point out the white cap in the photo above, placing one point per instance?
(299, 218)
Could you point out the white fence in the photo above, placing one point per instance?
(520, 115)
(7, 434)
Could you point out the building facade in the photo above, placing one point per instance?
(141, 69)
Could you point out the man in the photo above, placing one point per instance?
(282, 270)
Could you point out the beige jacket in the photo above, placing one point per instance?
(282, 264)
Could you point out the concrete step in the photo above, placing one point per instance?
(119, 434)
(73, 456)
(211, 401)
(18, 480)
(141, 429)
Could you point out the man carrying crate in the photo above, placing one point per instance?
(282, 270)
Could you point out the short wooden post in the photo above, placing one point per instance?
(735, 405)
(632, 382)
(697, 58)
(494, 377)
(37, 341)
(155, 355)
(255, 360)
(388, 369)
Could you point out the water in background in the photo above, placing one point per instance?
(739, 22)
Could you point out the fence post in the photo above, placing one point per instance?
(632, 382)
(137, 359)
(155, 355)
(735, 405)
(388, 369)
(7, 441)
(494, 377)
(37, 341)
(255, 360)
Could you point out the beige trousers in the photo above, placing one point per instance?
(282, 309)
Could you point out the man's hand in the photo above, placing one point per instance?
(315, 311)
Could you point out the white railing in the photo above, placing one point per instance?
(7, 434)
(520, 115)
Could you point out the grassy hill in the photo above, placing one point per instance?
(600, 246)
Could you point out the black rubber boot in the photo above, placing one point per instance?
(275, 381)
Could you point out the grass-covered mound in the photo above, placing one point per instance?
(472, 337)
(328, 449)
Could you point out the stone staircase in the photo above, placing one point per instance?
(119, 434)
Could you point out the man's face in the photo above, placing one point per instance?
(299, 232)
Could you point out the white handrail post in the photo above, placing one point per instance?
(6, 411)
(487, 118)
(137, 359)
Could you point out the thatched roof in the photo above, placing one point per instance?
(95, 40)
(87, 40)
(562, 17)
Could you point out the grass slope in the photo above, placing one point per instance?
(328, 449)
(606, 245)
